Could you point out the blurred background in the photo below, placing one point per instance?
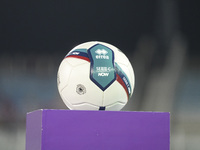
(160, 38)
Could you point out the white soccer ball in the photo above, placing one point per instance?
(95, 76)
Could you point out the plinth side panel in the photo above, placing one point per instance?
(34, 130)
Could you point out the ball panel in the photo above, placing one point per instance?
(76, 61)
(85, 106)
(131, 77)
(64, 72)
(108, 45)
(115, 93)
(129, 73)
(102, 71)
(115, 106)
(65, 100)
(121, 58)
(81, 89)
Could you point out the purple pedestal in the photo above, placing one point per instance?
(97, 130)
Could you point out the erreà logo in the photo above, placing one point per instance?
(102, 71)
(101, 54)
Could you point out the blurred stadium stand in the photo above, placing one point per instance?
(159, 37)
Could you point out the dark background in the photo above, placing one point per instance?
(56, 26)
(160, 38)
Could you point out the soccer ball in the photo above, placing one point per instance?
(95, 76)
